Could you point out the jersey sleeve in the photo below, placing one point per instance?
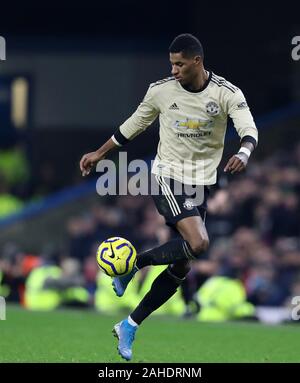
(242, 118)
(139, 121)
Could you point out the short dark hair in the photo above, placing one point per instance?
(188, 44)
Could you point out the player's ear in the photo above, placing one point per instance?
(197, 60)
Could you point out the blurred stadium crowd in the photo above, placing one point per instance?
(254, 227)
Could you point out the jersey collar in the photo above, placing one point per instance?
(199, 90)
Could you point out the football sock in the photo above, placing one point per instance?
(186, 290)
(162, 289)
(166, 254)
(131, 321)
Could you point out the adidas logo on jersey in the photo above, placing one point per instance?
(174, 107)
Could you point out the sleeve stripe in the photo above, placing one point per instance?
(249, 139)
(115, 141)
(119, 138)
(223, 84)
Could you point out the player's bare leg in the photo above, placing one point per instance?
(193, 230)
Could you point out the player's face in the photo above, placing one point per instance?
(184, 69)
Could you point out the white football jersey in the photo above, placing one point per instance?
(192, 126)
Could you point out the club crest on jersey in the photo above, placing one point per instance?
(212, 108)
(188, 204)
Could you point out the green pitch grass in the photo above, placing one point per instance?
(85, 336)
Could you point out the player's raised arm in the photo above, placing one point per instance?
(244, 124)
(145, 114)
(89, 160)
(139, 121)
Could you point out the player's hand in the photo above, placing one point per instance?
(88, 161)
(237, 163)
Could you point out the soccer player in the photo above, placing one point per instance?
(193, 106)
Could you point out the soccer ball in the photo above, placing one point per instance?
(116, 256)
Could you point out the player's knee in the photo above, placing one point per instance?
(199, 246)
(180, 267)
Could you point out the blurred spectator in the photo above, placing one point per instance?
(253, 224)
(8, 202)
(46, 180)
(49, 286)
(13, 277)
(14, 167)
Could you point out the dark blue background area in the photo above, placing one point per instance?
(247, 44)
